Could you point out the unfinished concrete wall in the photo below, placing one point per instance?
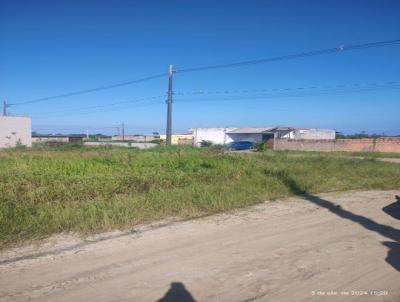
(389, 144)
(314, 133)
(15, 130)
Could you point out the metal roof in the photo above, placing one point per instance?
(250, 130)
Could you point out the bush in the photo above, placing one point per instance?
(204, 143)
(260, 146)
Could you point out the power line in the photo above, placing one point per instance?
(219, 66)
(105, 105)
(338, 49)
(61, 114)
(84, 91)
(277, 93)
(235, 95)
(271, 96)
(345, 87)
(74, 128)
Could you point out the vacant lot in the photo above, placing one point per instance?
(46, 191)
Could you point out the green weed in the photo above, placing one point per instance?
(51, 190)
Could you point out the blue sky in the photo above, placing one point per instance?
(54, 47)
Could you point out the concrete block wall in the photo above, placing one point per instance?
(390, 144)
(313, 133)
(304, 145)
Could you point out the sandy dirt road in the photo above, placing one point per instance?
(330, 247)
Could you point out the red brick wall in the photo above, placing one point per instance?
(389, 144)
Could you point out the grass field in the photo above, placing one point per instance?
(87, 190)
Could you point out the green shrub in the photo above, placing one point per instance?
(205, 143)
(260, 146)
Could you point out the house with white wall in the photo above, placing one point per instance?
(218, 136)
(15, 131)
(223, 136)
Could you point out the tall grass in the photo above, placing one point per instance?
(83, 190)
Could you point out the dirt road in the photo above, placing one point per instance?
(330, 247)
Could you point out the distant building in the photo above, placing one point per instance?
(57, 138)
(223, 136)
(179, 139)
(133, 138)
(15, 131)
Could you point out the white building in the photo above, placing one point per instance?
(223, 136)
(217, 136)
(15, 131)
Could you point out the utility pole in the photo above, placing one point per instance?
(87, 134)
(169, 106)
(123, 131)
(5, 106)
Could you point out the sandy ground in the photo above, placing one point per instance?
(389, 160)
(330, 247)
(385, 159)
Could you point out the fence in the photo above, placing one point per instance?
(388, 144)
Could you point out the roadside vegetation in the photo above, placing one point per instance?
(48, 190)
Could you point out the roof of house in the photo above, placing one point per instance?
(284, 128)
(250, 130)
(260, 130)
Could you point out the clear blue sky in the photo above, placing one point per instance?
(52, 47)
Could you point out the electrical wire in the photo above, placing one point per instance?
(85, 91)
(141, 100)
(366, 86)
(100, 111)
(230, 95)
(332, 50)
(219, 66)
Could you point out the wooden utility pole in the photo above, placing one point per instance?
(169, 106)
(123, 132)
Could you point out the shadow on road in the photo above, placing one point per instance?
(393, 256)
(177, 293)
(393, 209)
